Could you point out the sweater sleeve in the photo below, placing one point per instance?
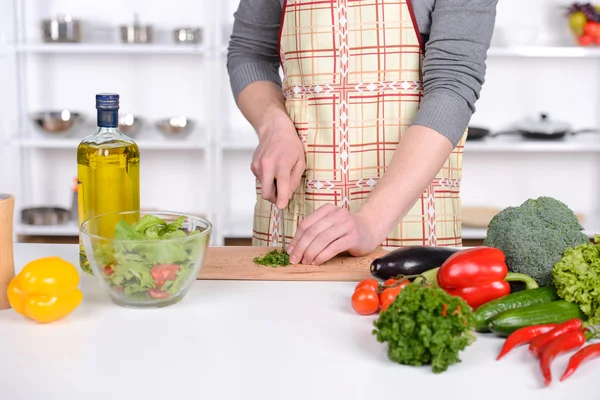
(252, 53)
(454, 65)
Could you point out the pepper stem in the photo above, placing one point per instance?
(530, 283)
(590, 332)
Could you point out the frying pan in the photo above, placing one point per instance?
(545, 128)
(477, 133)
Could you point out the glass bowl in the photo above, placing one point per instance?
(146, 259)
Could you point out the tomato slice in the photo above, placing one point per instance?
(157, 293)
(108, 271)
(164, 272)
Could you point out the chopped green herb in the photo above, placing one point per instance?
(274, 258)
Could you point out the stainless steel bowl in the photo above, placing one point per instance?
(136, 34)
(61, 29)
(176, 127)
(130, 124)
(45, 216)
(187, 35)
(57, 122)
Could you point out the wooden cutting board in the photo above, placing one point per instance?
(235, 263)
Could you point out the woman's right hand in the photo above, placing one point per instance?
(279, 156)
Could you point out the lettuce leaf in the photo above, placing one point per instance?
(577, 278)
(131, 263)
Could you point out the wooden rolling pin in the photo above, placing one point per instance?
(7, 262)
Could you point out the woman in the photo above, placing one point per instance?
(361, 142)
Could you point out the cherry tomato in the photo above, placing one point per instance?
(371, 283)
(157, 293)
(389, 294)
(164, 272)
(386, 305)
(365, 301)
(392, 282)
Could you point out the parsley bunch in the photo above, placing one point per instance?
(426, 326)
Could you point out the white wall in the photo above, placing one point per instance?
(161, 85)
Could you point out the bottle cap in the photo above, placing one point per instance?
(107, 101)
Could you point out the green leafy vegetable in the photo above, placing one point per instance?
(426, 326)
(274, 258)
(143, 264)
(577, 278)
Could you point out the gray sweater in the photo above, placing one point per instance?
(457, 35)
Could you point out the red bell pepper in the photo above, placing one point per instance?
(478, 275)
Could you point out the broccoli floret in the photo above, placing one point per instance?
(534, 236)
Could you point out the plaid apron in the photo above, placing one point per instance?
(353, 84)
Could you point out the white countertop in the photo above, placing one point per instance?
(245, 340)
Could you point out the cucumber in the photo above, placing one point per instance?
(512, 301)
(554, 312)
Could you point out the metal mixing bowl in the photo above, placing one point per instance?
(176, 127)
(56, 122)
(45, 216)
(130, 124)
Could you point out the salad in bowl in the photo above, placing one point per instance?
(146, 259)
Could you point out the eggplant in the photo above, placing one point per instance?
(411, 260)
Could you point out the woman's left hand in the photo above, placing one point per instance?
(329, 231)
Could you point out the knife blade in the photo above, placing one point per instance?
(281, 222)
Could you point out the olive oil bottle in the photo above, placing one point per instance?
(108, 171)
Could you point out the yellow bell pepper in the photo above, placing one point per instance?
(45, 290)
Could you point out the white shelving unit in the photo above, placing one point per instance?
(216, 143)
(144, 144)
(545, 52)
(108, 49)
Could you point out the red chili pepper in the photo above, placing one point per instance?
(562, 344)
(568, 326)
(522, 336)
(583, 355)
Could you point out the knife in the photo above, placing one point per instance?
(281, 222)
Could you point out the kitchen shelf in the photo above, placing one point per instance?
(68, 229)
(71, 144)
(545, 51)
(117, 48)
(514, 143)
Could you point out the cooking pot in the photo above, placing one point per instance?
(61, 29)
